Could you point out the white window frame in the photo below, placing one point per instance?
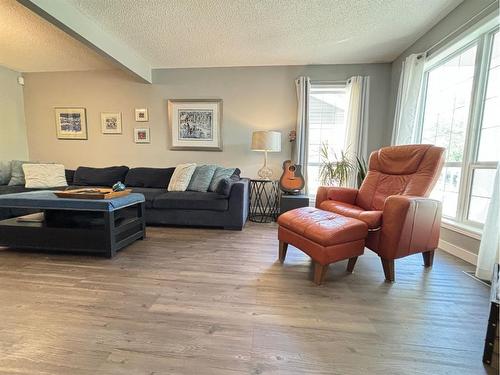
(483, 38)
(327, 84)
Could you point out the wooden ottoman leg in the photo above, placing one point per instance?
(428, 258)
(388, 266)
(283, 246)
(351, 264)
(319, 272)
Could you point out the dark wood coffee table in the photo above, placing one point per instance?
(101, 226)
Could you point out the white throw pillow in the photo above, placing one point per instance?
(181, 177)
(43, 176)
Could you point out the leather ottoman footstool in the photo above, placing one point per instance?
(325, 236)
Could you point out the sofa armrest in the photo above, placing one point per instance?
(239, 203)
(341, 194)
(409, 225)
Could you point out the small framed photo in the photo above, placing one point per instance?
(71, 123)
(111, 123)
(141, 114)
(195, 124)
(141, 135)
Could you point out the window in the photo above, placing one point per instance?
(327, 110)
(461, 112)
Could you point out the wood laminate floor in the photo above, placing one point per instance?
(195, 301)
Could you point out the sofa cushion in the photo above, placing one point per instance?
(5, 172)
(202, 176)
(12, 189)
(372, 218)
(191, 200)
(149, 194)
(181, 177)
(149, 177)
(87, 176)
(70, 175)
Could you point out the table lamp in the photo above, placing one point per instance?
(267, 141)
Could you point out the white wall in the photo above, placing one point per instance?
(253, 98)
(13, 141)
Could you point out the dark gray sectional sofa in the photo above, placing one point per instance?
(227, 208)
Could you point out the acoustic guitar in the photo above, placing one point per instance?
(291, 181)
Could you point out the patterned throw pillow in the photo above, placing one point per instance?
(5, 172)
(219, 175)
(181, 177)
(44, 176)
(202, 177)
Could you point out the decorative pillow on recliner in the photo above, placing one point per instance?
(44, 176)
(87, 176)
(220, 174)
(202, 177)
(181, 177)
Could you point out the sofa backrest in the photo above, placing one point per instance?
(149, 177)
(400, 170)
(87, 176)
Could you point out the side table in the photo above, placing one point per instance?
(264, 200)
(289, 202)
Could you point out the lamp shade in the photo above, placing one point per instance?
(266, 141)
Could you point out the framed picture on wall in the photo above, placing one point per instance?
(141, 114)
(141, 135)
(71, 123)
(195, 124)
(111, 123)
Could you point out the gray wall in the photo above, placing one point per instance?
(254, 98)
(13, 141)
(453, 21)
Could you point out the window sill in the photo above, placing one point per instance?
(461, 228)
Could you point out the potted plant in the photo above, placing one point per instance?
(337, 170)
(334, 170)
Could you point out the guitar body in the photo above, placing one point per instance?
(292, 181)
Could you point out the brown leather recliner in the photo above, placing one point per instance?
(393, 202)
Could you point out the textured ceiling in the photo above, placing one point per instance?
(31, 44)
(206, 33)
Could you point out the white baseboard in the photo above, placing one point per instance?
(458, 252)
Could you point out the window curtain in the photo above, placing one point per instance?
(405, 129)
(299, 151)
(490, 241)
(357, 119)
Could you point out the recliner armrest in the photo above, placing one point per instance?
(409, 225)
(341, 194)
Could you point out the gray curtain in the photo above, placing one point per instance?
(299, 151)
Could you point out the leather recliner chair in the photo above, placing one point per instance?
(393, 202)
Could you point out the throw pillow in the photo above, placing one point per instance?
(5, 174)
(181, 177)
(220, 173)
(202, 177)
(17, 173)
(44, 176)
(224, 187)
